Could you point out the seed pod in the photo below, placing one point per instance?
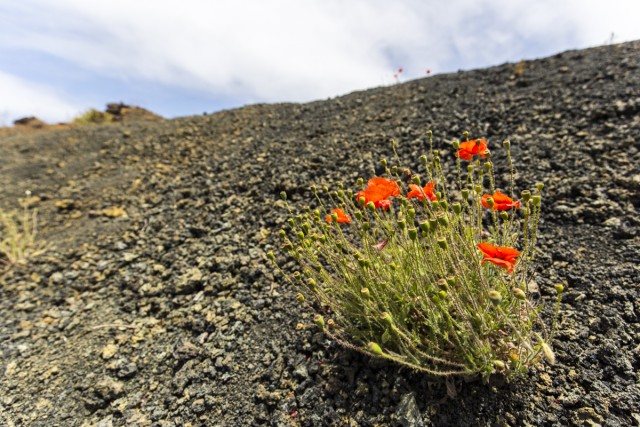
(358, 215)
(559, 288)
(457, 208)
(442, 219)
(319, 321)
(365, 292)
(387, 318)
(442, 243)
(423, 159)
(488, 166)
(424, 226)
(548, 353)
(525, 195)
(442, 283)
(415, 179)
(271, 256)
(478, 189)
(413, 233)
(507, 144)
(300, 298)
(402, 224)
(331, 323)
(465, 194)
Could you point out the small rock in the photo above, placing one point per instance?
(408, 413)
(109, 351)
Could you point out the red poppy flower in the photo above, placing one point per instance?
(501, 202)
(421, 193)
(342, 217)
(378, 190)
(471, 148)
(502, 256)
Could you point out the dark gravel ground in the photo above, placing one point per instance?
(171, 315)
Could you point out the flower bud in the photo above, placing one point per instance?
(470, 168)
(383, 162)
(311, 282)
(374, 348)
(548, 353)
(415, 179)
(519, 294)
(488, 166)
(504, 215)
(456, 144)
(387, 318)
(465, 135)
(371, 206)
(283, 195)
(442, 242)
(490, 201)
(319, 321)
(477, 189)
(271, 256)
(334, 217)
(451, 280)
(366, 226)
(436, 153)
(423, 159)
(394, 169)
(457, 208)
(428, 133)
(297, 275)
(411, 213)
(360, 182)
(442, 294)
(499, 364)
(495, 297)
(282, 233)
(435, 204)
(559, 288)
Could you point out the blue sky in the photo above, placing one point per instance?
(59, 58)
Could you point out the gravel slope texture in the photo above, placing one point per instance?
(155, 304)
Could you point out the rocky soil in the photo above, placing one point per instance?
(155, 304)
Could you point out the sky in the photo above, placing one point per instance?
(59, 58)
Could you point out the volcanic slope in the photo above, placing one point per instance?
(154, 303)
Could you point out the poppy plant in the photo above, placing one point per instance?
(471, 148)
(501, 202)
(341, 216)
(421, 193)
(502, 256)
(378, 190)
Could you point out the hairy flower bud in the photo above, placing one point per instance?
(488, 166)
(456, 144)
(374, 348)
(371, 206)
(495, 297)
(519, 294)
(283, 195)
(477, 189)
(383, 162)
(415, 179)
(504, 215)
(559, 288)
(360, 182)
(271, 256)
(423, 159)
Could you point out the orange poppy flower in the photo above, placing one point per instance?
(501, 202)
(342, 217)
(502, 256)
(471, 148)
(378, 190)
(421, 193)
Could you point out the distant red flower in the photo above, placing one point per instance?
(342, 217)
(501, 202)
(428, 71)
(378, 190)
(421, 193)
(502, 256)
(400, 70)
(471, 148)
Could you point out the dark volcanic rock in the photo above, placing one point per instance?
(155, 303)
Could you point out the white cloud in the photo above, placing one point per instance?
(291, 50)
(21, 98)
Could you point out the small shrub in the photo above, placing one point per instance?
(422, 275)
(18, 230)
(93, 117)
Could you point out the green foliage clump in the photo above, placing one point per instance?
(424, 276)
(93, 117)
(18, 230)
